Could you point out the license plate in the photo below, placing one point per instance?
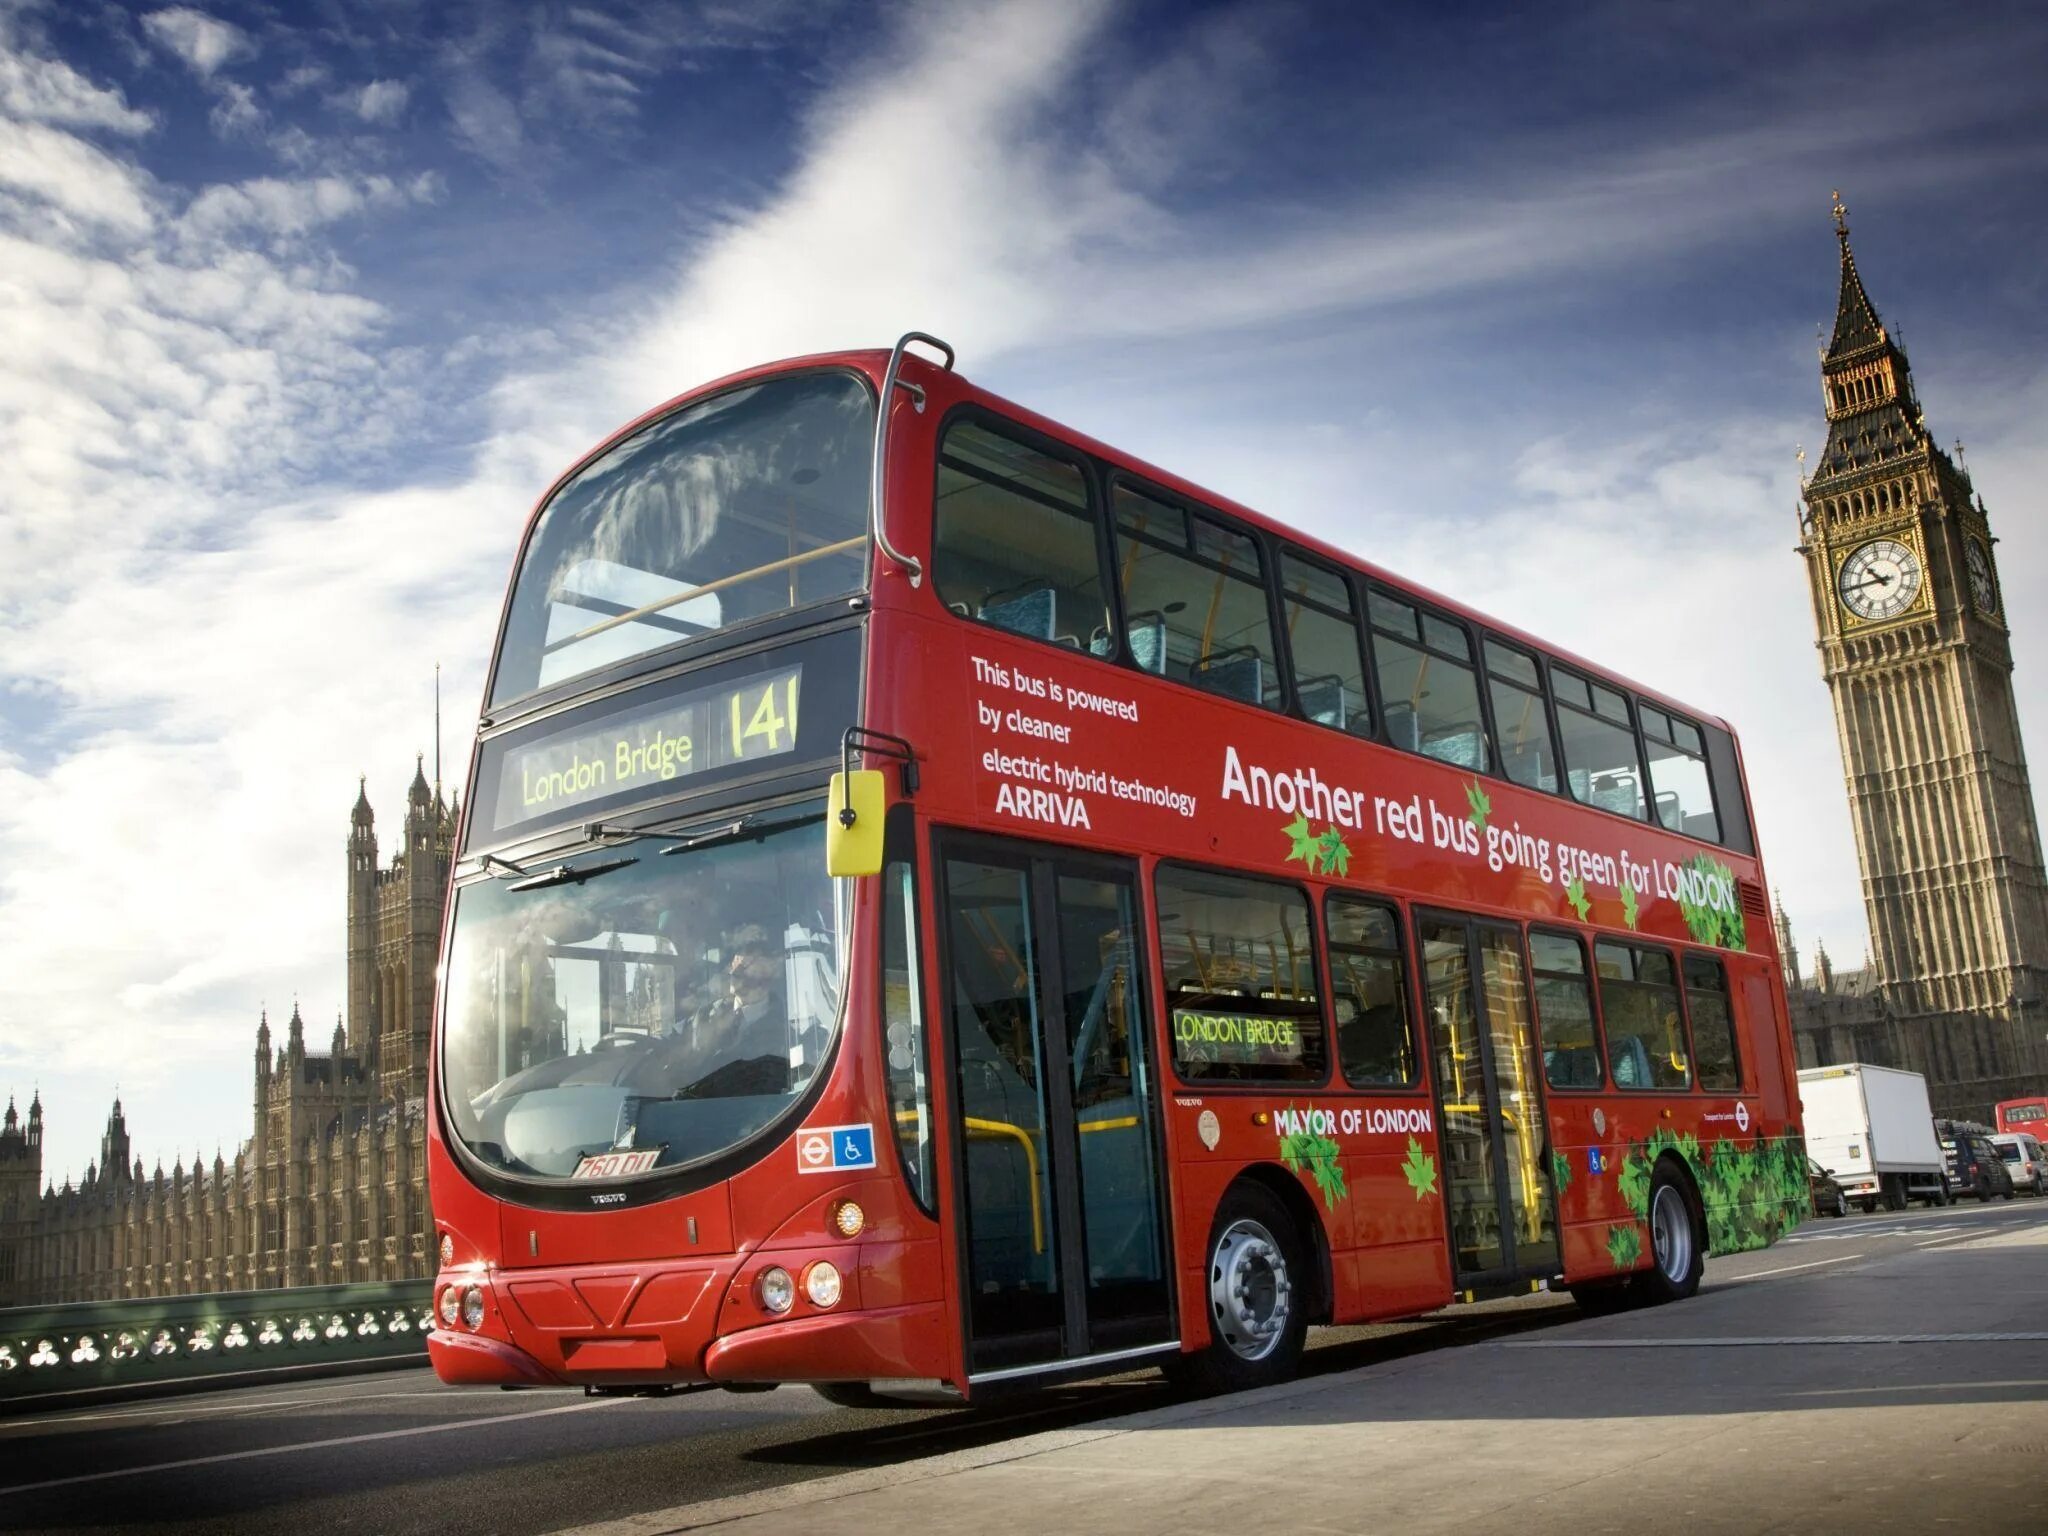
(613, 1165)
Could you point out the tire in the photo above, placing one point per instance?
(1983, 1194)
(1677, 1256)
(1841, 1205)
(1258, 1297)
(855, 1394)
(1895, 1194)
(1604, 1298)
(2008, 1193)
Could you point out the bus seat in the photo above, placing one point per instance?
(1148, 640)
(1401, 726)
(1236, 674)
(1102, 642)
(1615, 797)
(1023, 611)
(1463, 744)
(1324, 701)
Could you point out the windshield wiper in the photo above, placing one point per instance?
(569, 874)
(754, 824)
(491, 864)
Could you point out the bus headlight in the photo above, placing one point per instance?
(451, 1305)
(821, 1283)
(776, 1290)
(472, 1308)
(848, 1218)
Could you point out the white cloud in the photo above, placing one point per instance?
(51, 91)
(204, 42)
(381, 101)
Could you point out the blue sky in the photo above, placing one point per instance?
(303, 305)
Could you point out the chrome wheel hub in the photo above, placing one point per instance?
(1671, 1234)
(1250, 1295)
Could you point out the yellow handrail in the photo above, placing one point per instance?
(1004, 1128)
(842, 547)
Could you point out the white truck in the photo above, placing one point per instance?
(1873, 1129)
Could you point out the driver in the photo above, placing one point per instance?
(749, 1021)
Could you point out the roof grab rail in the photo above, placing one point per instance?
(878, 483)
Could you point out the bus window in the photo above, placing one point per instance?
(1729, 806)
(1195, 600)
(1014, 540)
(1600, 762)
(1369, 991)
(1429, 693)
(1520, 722)
(1564, 1011)
(1678, 774)
(734, 508)
(1322, 638)
(1240, 978)
(1713, 1024)
(1639, 1003)
(910, 1104)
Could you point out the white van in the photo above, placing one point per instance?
(2024, 1159)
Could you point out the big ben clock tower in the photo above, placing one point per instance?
(1915, 651)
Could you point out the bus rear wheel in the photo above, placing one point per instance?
(1677, 1259)
(1257, 1294)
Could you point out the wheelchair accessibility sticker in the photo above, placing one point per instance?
(834, 1148)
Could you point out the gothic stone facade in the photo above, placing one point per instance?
(1917, 657)
(331, 1184)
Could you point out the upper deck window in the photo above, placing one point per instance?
(744, 505)
(1014, 543)
(1428, 690)
(1600, 762)
(1678, 774)
(1322, 636)
(1195, 600)
(1519, 718)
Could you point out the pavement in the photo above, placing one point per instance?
(1871, 1374)
(1833, 1394)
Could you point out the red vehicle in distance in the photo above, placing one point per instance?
(944, 906)
(2028, 1115)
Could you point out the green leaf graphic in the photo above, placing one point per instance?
(1303, 845)
(1711, 924)
(1560, 1171)
(1481, 806)
(1335, 853)
(1419, 1170)
(1624, 1245)
(1575, 893)
(1630, 912)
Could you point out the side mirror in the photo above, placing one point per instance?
(1828, 1172)
(857, 806)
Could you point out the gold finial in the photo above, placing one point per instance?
(1841, 214)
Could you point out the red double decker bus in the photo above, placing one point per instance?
(2028, 1115)
(944, 905)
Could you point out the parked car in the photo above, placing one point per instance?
(2024, 1160)
(1974, 1164)
(1828, 1199)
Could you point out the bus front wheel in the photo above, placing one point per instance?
(1257, 1294)
(1677, 1258)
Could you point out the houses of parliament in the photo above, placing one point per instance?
(1913, 644)
(331, 1184)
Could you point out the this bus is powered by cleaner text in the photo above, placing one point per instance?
(943, 905)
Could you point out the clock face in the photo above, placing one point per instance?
(1880, 580)
(1983, 590)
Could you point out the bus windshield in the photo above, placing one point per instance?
(628, 1011)
(746, 504)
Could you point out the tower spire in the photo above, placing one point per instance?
(1856, 324)
(437, 733)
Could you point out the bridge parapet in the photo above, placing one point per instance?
(48, 1354)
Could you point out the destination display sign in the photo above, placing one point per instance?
(1235, 1039)
(710, 728)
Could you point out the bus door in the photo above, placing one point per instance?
(1496, 1153)
(1055, 1129)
